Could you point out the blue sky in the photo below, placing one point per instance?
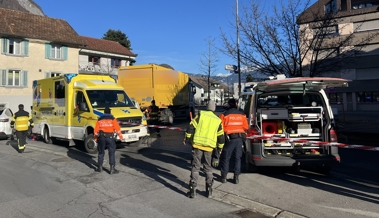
(160, 31)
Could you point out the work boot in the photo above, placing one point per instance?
(236, 180)
(192, 191)
(223, 178)
(113, 170)
(208, 188)
(99, 169)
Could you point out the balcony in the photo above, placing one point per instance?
(89, 67)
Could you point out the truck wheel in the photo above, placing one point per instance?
(90, 145)
(46, 136)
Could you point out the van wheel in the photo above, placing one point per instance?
(250, 167)
(46, 136)
(90, 145)
(324, 169)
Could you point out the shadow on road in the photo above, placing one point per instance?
(341, 184)
(155, 172)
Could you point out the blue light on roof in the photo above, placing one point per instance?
(69, 77)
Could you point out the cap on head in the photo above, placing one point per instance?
(107, 110)
(21, 107)
(211, 105)
(232, 103)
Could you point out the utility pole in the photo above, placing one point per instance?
(238, 51)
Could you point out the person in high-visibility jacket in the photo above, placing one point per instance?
(206, 134)
(105, 130)
(21, 121)
(235, 125)
(152, 115)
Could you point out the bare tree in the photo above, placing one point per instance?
(208, 60)
(292, 42)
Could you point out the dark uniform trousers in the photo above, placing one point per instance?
(233, 146)
(197, 156)
(102, 143)
(21, 137)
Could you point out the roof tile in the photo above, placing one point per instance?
(106, 46)
(27, 25)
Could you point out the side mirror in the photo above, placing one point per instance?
(83, 106)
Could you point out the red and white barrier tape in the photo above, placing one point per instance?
(314, 143)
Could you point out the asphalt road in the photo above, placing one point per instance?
(59, 181)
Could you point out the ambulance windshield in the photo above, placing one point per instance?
(110, 98)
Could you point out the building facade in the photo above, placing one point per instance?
(359, 19)
(103, 56)
(33, 46)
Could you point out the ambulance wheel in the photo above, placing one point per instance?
(46, 136)
(90, 144)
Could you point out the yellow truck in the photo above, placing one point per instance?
(173, 91)
(67, 107)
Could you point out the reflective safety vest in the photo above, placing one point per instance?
(234, 121)
(207, 130)
(152, 112)
(21, 120)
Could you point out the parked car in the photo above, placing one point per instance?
(6, 115)
(287, 117)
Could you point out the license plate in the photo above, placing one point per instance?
(131, 137)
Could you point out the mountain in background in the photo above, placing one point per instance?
(22, 5)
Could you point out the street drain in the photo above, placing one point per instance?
(250, 214)
(62, 159)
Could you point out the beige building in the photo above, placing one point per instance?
(360, 18)
(32, 47)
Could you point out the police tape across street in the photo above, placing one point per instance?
(280, 139)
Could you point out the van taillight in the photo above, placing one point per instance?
(4, 120)
(333, 135)
(252, 131)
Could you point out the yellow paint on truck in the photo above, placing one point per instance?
(168, 87)
(68, 106)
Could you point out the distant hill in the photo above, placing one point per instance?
(22, 5)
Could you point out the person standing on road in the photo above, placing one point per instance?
(20, 122)
(106, 127)
(235, 126)
(152, 114)
(205, 133)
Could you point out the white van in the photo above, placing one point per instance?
(289, 118)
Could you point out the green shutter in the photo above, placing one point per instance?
(64, 53)
(47, 75)
(4, 45)
(25, 49)
(24, 77)
(47, 50)
(3, 77)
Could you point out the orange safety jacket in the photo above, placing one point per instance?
(234, 121)
(109, 125)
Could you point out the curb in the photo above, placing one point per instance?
(233, 199)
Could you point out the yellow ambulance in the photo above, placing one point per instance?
(68, 106)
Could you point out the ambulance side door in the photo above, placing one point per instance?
(81, 114)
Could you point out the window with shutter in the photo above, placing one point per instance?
(24, 77)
